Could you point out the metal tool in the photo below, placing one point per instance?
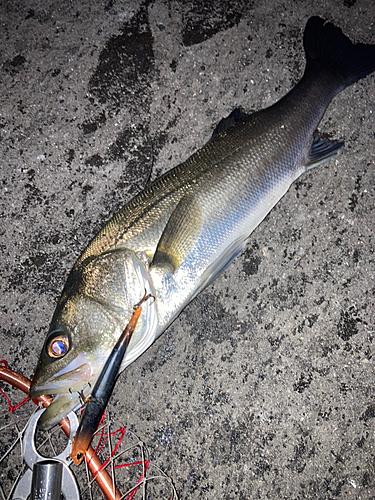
(69, 487)
(46, 482)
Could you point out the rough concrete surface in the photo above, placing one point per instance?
(263, 388)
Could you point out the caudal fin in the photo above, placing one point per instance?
(326, 46)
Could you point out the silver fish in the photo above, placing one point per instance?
(182, 231)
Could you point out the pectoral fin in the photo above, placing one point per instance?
(180, 234)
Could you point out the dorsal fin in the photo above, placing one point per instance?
(236, 117)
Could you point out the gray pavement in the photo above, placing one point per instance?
(263, 388)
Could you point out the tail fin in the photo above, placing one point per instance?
(327, 46)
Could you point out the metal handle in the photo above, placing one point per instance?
(46, 482)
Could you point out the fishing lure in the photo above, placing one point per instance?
(103, 388)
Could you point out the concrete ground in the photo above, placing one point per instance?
(263, 388)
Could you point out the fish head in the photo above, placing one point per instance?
(95, 307)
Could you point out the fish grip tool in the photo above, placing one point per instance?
(31, 457)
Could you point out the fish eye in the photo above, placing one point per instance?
(58, 345)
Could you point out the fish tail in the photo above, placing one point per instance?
(327, 47)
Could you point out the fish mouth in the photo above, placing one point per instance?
(73, 378)
(60, 407)
(67, 385)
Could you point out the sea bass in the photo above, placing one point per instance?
(183, 230)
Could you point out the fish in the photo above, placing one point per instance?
(179, 234)
(103, 388)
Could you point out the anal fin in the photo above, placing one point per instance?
(321, 150)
